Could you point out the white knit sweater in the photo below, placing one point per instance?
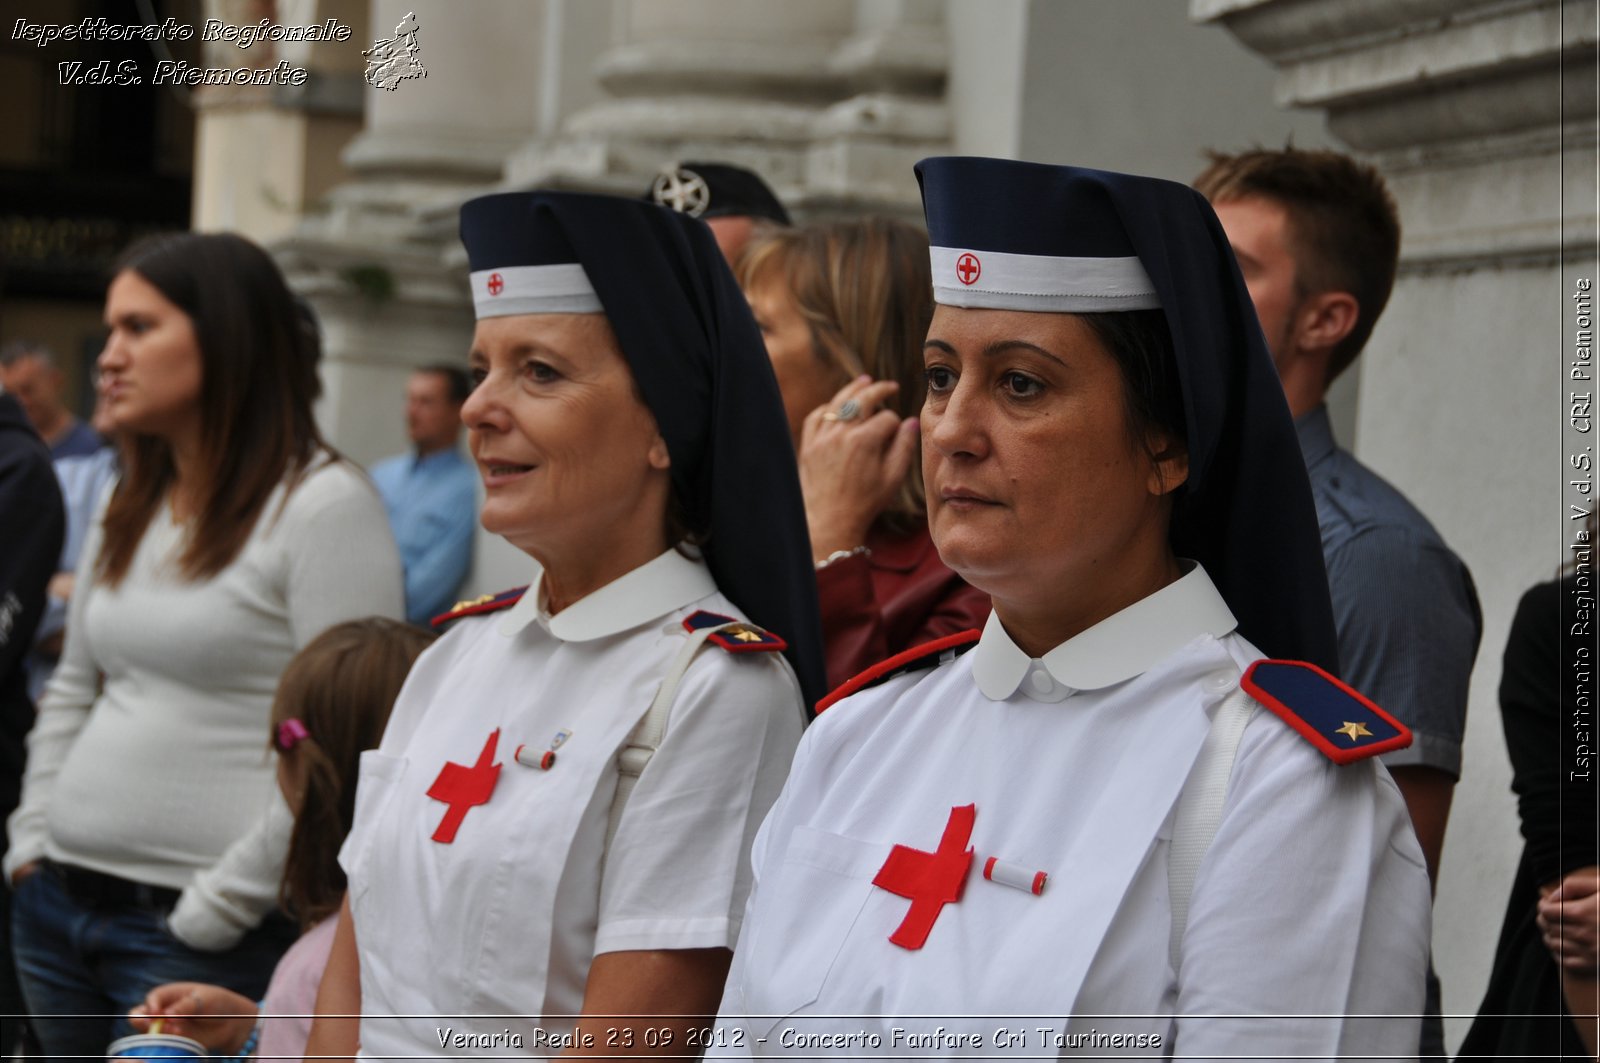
(150, 757)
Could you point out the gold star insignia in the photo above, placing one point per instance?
(744, 634)
(1355, 731)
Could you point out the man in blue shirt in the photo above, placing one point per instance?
(28, 371)
(431, 493)
(1317, 236)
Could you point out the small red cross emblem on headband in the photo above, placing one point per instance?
(497, 284)
(968, 268)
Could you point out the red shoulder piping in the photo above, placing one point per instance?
(899, 660)
(1339, 755)
(503, 600)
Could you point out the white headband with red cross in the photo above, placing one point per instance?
(556, 289)
(997, 280)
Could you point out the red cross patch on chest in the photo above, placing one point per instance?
(929, 880)
(462, 787)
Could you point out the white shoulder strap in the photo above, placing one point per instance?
(1200, 810)
(645, 738)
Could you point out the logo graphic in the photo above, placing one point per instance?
(968, 268)
(394, 60)
(497, 284)
(683, 190)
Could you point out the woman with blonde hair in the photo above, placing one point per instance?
(843, 307)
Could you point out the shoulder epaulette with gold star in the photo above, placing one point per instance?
(741, 637)
(1337, 719)
(916, 658)
(487, 603)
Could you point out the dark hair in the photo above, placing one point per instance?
(1140, 342)
(865, 290)
(341, 687)
(458, 385)
(258, 382)
(1344, 227)
(18, 350)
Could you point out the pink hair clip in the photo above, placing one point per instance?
(290, 733)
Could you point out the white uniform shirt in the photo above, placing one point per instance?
(1312, 898)
(505, 919)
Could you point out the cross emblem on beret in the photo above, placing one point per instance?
(683, 190)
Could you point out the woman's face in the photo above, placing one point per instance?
(804, 380)
(571, 459)
(150, 369)
(1036, 487)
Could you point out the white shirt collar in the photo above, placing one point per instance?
(1121, 646)
(669, 581)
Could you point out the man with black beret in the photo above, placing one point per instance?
(733, 201)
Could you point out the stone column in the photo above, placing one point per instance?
(1482, 115)
(830, 101)
(375, 259)
(265, 154)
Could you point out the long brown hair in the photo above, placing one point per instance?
(258, 357)
(865, 289)
(340, 688)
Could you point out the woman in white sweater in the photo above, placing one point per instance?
(150, 839)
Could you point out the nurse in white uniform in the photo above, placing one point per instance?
(1102, 827)
(558, 820)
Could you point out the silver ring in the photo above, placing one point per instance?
(848, 410)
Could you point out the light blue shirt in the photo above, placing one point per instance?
(433, 509)
(1404, 604)
(85, 479)
(80, 442)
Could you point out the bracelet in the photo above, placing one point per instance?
(840, 555)
(248, 1049)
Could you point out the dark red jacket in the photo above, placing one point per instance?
(901, 596)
